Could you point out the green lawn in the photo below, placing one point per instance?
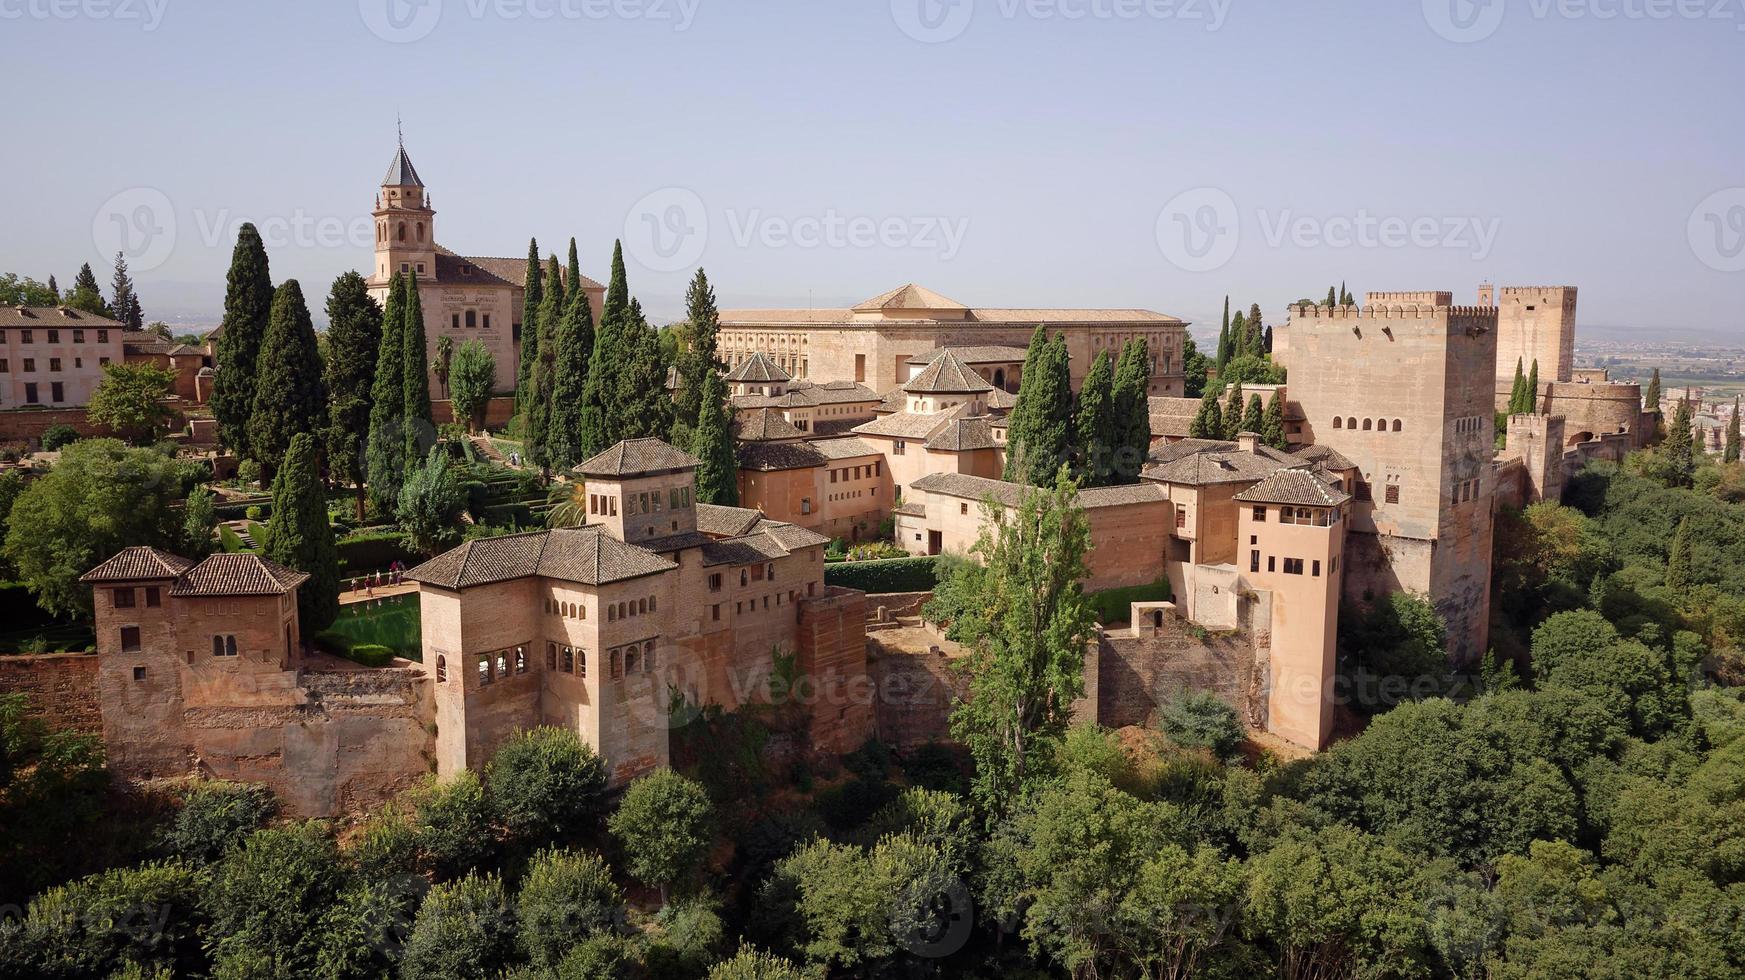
(391, 622)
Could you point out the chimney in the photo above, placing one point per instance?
(1248, 442)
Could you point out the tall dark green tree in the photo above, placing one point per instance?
(354, 341)
(1130, 438)
(1194, 366)
(248, 303)
(1651, 397)
(644, 409)
(1233, 411)
(1233, 347)
(1530, 395)
(1094, 423)
(1332, 296)
(599, 393)
(290, 397)
(572, 275)
(532, 294)
(1223, 353)
(1678, 558)
(299, 535)
(1255, 342)
(699, 358)
(87, 295)
(124, 298)
(1272, 428)
(1034, 454)
(536, 421)
(385, 452)
(1254, 416)
(1208, 422)
(1517, 394)
(1018, 421)
(1680, 457)
(1731, 453)
(573, 351)
(712, 442)
(617, 289)
(417, 416)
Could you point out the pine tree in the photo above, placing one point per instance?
(538, 417)
(86, 294)
(712, 442)
(248, 302)
(1680, 456)
(1678, 558)
(417, 417)
(1731, 453)
(290, 397)
(574, 349)
(1272, 427)
(532, 294)
(354, 339)
(1254, 417)
(1093, 424)
(1130, 440)
(125, 301)
(1046, 445)
(644, 408)
(1530, 394)
(299, 535)
(1233, 412)
(1518, 394)
(699, 359)
(1018, 427)
(386, 448)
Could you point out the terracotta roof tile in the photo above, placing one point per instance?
(769, 456)
(726, 522)
(638, 457)
(976, 354)
(587, 555)
(758, 369)
(910, 297)
(237, 574)
(1212, 467)
(947, 375)
(844, 448)
(963, 435)
(764, 425)
(1299, 487)
(53, 316)
(1012, 494)
(138, 563)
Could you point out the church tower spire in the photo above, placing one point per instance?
(405, 222)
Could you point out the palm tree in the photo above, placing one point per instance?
(570, 502)
(444, 358)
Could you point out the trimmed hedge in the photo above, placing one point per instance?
(373, 550)
(1115, 605)
(887, 575)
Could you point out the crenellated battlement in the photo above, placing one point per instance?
(1523, 290)
(1396, 311)
(1420, 297)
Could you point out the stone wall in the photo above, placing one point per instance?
(498, 411)
(915, 692)
(832, 647)
(61, 689)
(1138, 675)
(28, 424)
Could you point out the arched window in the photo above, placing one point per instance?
(611, 613)
(1366, 425)
(641, 607)
(421, 238)
(400, 231)
(441, 668)
(551, 656)
(648, 656)
(484, 670)
(1396, 425)
(1350, 423)
(218, 646)
(502, 665)
(230, 646)
(520, 660)
(651, 602)
(569, 661)
(630, 660)
(1338, 423)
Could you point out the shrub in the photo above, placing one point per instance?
(879, 577)
(58, 435)
(544, 781)
(1201, 719)
(254, 514)
(664, 826)
(217, 816)
(1116, 605)
(386, 847)
(453, 822)
(372, 550)
(371, 654)
(753, 964)
(266, 898)
(691, 937)
(464, 930)
(849, 804)
(95, 925)
(565, 898)
(248, 473)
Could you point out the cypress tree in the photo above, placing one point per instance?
(1233, 411)
(1272, 428)
(1345, 297)
(1094, 423)
(1651, 397)
(86, 294)
(574, 349)
(532, 293)
(1266, 341)
(290, 397)
(1256, 341)
(419, 421)
(1224, 336)
(1238, 328)
(572, 276)
(354, 340)
(1018, 427)
(1047, 441)
(600, 414)
(538, 416)
(126, 301)
(386, 449)
(248, 303)
(1254, 417)
(1530, 394)
(644, 409)
(299, 535)
(1208, 422)
(618, 290)
(1678, 558)
(1680, 456)
(55, 288)
(1516, 394)
(700, 359)
(1193, 368)
(1731, 453)
(1332, 297)
(712, 442)
(1131, 438)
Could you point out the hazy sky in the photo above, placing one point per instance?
(1118, 153)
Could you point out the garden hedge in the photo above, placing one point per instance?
(1115, 605)
(372, 551)
(887, 575)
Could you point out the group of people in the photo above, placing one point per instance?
(367, 584)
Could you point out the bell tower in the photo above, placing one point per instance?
(405, 223)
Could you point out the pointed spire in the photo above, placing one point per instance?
(401, 173)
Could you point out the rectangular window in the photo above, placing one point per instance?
(30, 364)
(57, 392)
(139, 673)
(5, 368)
(715, 612)
(78, 336)
(1254, 561)
(152, 597)
(487, 321)
(124, 598)
(30, 393)
(54, 336)
(899, 448)
(860, 367)
(54, 364)
(1393, 493)
(27, 336)
(1315, 568)
(102, 336)
(715, 582)
(454, 321)
(130, 641)
(1260, 514)
(1271, 563)
(1293, 566)
(805, 505)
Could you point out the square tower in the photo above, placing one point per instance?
(1534, 324)
(1404, 391)
(642, 490)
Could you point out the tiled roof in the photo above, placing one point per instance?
(1325, 456)
(1012, 494)
(910, 297)
(1001, 400)
(976, 354)
(831, 392)
(947, 375)
(237, 574)
(726, 522)
(1212, 467)
(512, 271)
(1298, 487)
(910, 508)
(768, 541)
(844, 448)
(827, 428)
(963, 435)
(903, 425)
(1136, 493)
(758, 369)
(769, 456)
(893, 400)
(764, 425)
(138, 563)
(401, 173)
(638, 457)
(145, 343)
(1172, 451)
(922, 301)
(587, 555)
(1172, 416)
(53, 316)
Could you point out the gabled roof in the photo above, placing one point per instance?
(770, 456)
(53, 316)
(1001, 400)
(1325, 456)
(1212, 467)
(764, 425)
(587, 555)
(1297, 487)
(802, 393)
(401, 173)
(510, 270)
(237, 574)
(910, 297)
(767, 541)
(726, 522)
(136, 564)
(947, 375)
(639, 457)
(758, 369)
(963, 435)
(847, 447)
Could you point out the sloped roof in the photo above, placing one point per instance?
(1325, 456)
(904, 425)
(1171, 416)
(758, 369)
(401, 173)
(1001, 400)
(767, 541)
(237, 574)
(910, 297)
(769, 456)
(726, 522)
(764, 425)
(976, 354)
(639, 457)
(587, 555)
(828, 393)
(1212, 467)
(510, 270)
(1012, 494)
(1297, 487)
(53, 316)
(947, 375)
(138, 563)
(963, 435)
(847, 447)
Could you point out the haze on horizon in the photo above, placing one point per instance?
(1002, 152)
